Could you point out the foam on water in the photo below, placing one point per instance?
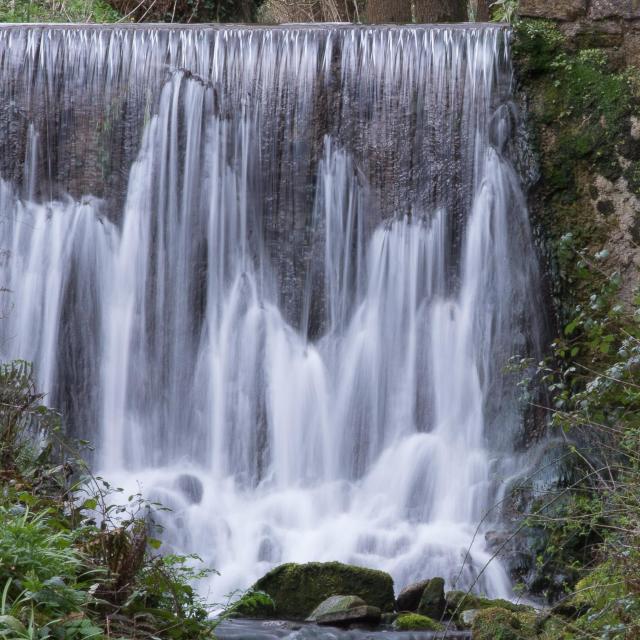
(288, 262)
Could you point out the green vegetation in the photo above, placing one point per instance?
(416, 622)
(459, 601)
(253, 604)
(585, 529)
(497, 623)
(297, 589)
(504, 10)
(75, 563)
(57, 11)
(108, 11)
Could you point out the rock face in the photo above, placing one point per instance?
(409, 597)
(553, 9)
(626, 9)
(613, 25)
(345, 611)
(297, 589)
(432, 603)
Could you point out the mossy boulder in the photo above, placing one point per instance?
(416, 622)
(409, 597)
(433, 603)
(253, 604)
(345, 611)
(552, 628)
(459, 601)
(297, 589)
(496, 623)
(334, 604)
(597, 589)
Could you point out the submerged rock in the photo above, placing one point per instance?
(388, 618)
(343, 611)
(432, 603)
(297, 589)
(191, 487)
(416, 622)
(409, 597)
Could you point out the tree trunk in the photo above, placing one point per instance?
(428, 11)
(383, 11)
(482, 11)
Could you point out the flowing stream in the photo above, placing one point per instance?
(275, 274)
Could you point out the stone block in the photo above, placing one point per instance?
(632, 48)
(621, 9)
(564, 10)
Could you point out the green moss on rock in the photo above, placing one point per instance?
(253, 604)
(416, 622)
(537, 44)
(459, 601)
(297, 589)
(579, 113)
(433, 603)
(345, 611)
(497, 623)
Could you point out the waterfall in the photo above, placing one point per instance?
(275, 274)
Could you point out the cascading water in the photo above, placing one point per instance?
(275, 274)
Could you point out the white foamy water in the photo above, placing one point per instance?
(282, 292)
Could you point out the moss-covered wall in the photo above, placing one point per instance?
(583, 115)
(582, 103)
(614, 24)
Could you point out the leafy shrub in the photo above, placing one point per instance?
(75, 560)
(504, 10)
(57, 11)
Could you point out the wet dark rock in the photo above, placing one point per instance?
(191, 487)
(566, 608)
(605, 207)
(388, 618)
(432, 603)
(409, 597)
(496, 539)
